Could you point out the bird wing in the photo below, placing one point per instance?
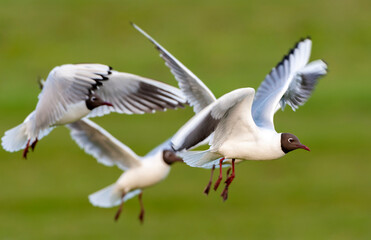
(290, 82)
(129, 93)
(66, 85)
(103, 146)
(205, 122)
(198, 95)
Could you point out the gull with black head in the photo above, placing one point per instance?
(241, 122)
(73, 91)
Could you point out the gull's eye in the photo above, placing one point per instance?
(93, 98)
(290, 140)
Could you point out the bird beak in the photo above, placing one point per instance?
(304, 147)
(107, 104)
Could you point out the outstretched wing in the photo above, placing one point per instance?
(103, 146)
(129, 93)
(196, 92)
(290, 82)
(205, 122)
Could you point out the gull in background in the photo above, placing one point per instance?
(73, 91)
(240, 123)
(139, 172)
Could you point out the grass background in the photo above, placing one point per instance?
(324, 194)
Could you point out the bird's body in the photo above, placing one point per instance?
(265, 145)
(152, 170)
(75, 111)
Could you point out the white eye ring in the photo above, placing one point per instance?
(290, 140)
(93, 98)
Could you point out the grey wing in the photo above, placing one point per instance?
(203, 124)
(303, 84)
(129, 93)
(290, 82)
(103, 146)
(66, 85)
(198, 95)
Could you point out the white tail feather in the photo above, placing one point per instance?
(201, 159)
(108, 197)
(15, 139)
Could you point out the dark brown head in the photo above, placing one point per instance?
(94, 101)
(290, 142)
(170, 157)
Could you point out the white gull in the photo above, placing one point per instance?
(73, 91)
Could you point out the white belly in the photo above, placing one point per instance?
(265, 147)
(152, 171)
(74, 113)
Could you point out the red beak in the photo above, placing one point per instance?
(304, 147)
(107, 104)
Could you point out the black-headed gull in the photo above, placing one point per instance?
(139, 172)
(73, 91)
(240, 123)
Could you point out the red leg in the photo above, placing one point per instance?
(228, 182)
(141, 215)
(207, 189)
(216, 185)
(33, 145)
(25, 151)
(117, 215)
(228, 172)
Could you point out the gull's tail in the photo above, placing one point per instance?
(108, 197)
(201, 159)
(15, 139)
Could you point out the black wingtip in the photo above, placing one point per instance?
(327, 70)
(291, 50)
(40, 82)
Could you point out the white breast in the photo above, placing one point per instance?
(266, 145)
(151, 171)
(74, 113)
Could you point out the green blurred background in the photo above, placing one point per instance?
(322, 194)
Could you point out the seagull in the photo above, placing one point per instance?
(73, 91)
(239, 125)
(241, 122)
(139, 172)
